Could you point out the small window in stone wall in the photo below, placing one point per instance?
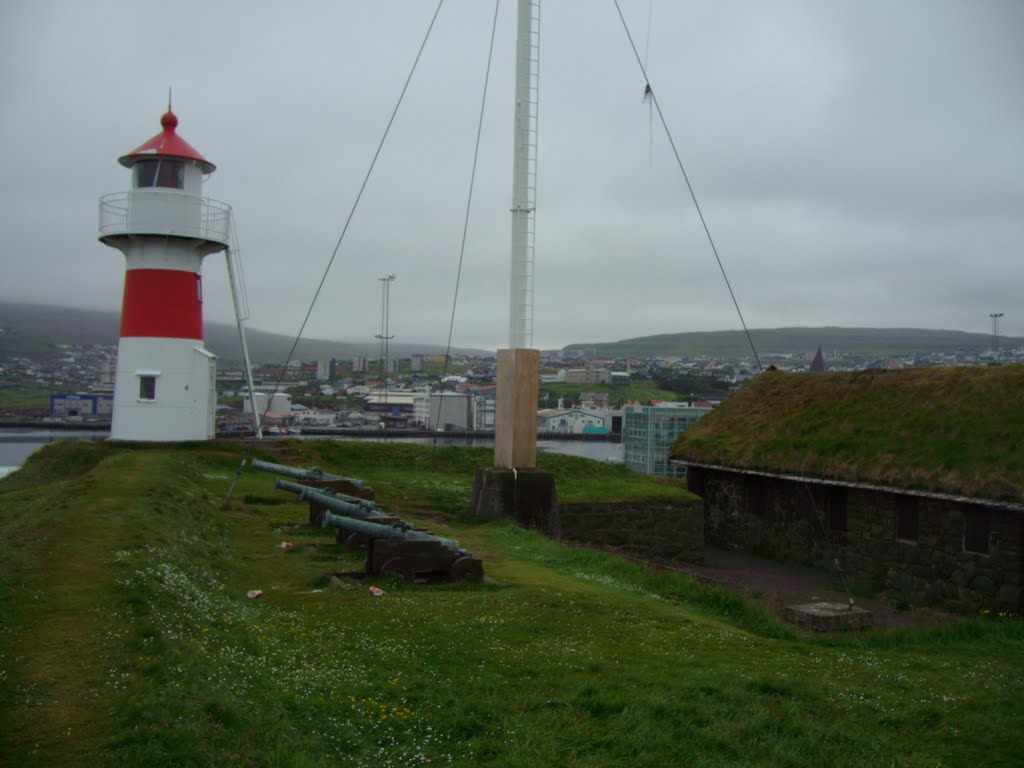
(906, 518)
(835, 508)
(759, 497)
(977, 530)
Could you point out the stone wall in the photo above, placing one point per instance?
(657, 531)
(528, 495)
(930, 562)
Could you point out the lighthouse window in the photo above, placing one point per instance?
(147, 387)
(160, 173)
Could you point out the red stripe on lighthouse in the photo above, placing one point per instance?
(162, 303)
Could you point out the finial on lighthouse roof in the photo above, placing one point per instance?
(169, 120)
(167, 143)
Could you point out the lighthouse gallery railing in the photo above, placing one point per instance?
(164, 212)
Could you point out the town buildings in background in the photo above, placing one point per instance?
(644, 402)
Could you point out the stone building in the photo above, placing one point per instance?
(912, 479)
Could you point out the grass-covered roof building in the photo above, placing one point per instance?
(914, 477)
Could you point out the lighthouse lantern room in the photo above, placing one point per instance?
(165, 382)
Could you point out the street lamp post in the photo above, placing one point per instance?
(385, 337)
(995, 330)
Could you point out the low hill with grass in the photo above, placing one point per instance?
(957, 430)
(127, 637)
(848, 341)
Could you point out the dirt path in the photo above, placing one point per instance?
(775, 585)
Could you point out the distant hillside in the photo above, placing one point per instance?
(857, 341)
(32, 330)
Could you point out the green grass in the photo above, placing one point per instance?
(126, 639)
(22, 396)
(415, 478)
(642, 393)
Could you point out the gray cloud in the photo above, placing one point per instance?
(859, 163)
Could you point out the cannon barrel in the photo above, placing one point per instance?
(284, 469)
(329, 500)
(314, 494)
(303, 474)
(400, 532)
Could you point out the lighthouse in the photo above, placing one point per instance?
(164, 387)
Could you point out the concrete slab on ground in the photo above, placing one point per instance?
(829, 617)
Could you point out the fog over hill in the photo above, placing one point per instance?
(33, 330)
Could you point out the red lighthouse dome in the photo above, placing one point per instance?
(168, 144)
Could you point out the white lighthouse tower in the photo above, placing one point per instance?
(164, 387)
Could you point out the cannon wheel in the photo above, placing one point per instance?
(467, 568)
(316, 519)
(356, 541)
(345, 539)
(398, 566)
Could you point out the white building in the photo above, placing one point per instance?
(280, 403)
(421, 408)
(571, 421)
(79, 405)
(320, 417)
(450, 411)
(588, 375)
(484, 408)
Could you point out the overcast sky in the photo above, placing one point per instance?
(859, 162)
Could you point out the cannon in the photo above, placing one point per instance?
(342, 502)
(322, 500)
(397, 548)
(318, 479)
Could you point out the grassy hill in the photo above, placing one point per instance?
(856, 341)
(127, 638)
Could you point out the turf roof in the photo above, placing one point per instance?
(956, 430)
